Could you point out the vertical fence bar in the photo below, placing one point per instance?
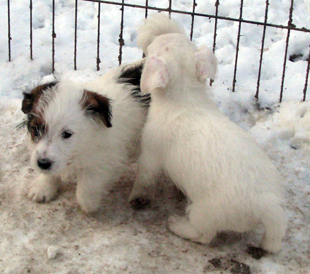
(121, 40)
(290, 27)
(290, 20)
(9, 31)
(307, 77)
(262, 50)
(217, 3)
(53, 37)
(98, 39)
(193, 18)
(237, 47)
(146, 8)
(30, 9)
(145, 16)
(75, 33)
(169, 8)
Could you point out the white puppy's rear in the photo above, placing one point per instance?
(155, 26)
(229, 180)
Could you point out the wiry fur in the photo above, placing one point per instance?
(88, 130)
(230, 182)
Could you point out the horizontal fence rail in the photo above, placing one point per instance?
(170, 10)
(290, 27)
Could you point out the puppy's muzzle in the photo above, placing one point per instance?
(44, 163)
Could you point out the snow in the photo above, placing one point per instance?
(58, 237)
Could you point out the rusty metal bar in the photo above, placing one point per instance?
(290, 20)
(262, 51)
(75, 33)
(307, 77)
(193, 18)
(121, 39)
(289, 27)
(170, 8)
(217, 3)
(9, 31)
(98, 40)
(30, 46)
(237, 47)
(53, 36)
(201, 15)
(145, 16)
(146, 8)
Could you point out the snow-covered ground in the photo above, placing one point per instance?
(58, 237)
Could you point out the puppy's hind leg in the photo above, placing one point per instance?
(143, 189)
(192, 228)
(275, 224)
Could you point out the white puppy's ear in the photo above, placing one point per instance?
(206, 64)
(97, 107)
(155, 75)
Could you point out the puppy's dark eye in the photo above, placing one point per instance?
(66, 134)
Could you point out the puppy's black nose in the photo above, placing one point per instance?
(44, 163)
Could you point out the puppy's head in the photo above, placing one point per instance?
(172, 58)
(62, 120)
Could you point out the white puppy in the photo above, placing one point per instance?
(231, 183)
(90, 131)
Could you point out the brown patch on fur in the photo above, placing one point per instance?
(97, 105)
(36, 127)
(36, 124)
(31, 99)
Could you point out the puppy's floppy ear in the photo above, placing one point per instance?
(155, 75)
(206, 64)
(97, 106)
(27, 103)
(32, 98)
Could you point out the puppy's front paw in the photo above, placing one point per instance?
(42, 190)
(89, 203)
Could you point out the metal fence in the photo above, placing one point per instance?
(290, 27)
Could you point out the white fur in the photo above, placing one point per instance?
(157, 25)
(230, 182)
(95, 154)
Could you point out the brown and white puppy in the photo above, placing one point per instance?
(90, 131)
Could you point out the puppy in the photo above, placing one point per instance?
(90, 131)
(230, 182)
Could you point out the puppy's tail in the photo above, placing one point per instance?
(154, 26)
